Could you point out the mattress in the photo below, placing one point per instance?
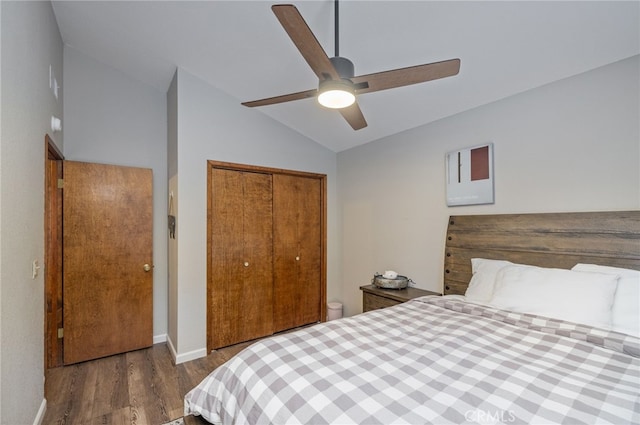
(430, 360)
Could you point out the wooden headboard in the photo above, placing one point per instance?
(557, 240)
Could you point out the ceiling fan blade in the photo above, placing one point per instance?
(407, 76)
(281, 99)
(354, 116)
(305, 41)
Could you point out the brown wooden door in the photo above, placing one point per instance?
(107, 241)
(240, 271)
(297, 224)
(53, 255)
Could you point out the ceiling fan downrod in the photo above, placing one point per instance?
(343, 66)
(336, 29)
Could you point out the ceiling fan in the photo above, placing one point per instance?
(338, 86)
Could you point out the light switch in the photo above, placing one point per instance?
(35, 267)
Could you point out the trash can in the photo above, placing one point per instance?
(334, 311)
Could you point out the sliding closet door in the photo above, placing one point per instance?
(240, 270)
(297, 225)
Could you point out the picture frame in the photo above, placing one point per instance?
(469, 176)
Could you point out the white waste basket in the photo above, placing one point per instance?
(334, 311)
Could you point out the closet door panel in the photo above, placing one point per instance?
(240, 270)
(285, 250)
(310, 239)
(297, 249)
(257, 302)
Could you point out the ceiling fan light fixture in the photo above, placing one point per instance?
(335, 94)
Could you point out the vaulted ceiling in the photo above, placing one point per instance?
(239, 47)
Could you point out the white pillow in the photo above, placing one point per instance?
(480, 289)
(574, 296)
(625, 313)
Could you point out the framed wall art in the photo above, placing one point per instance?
(469, 176)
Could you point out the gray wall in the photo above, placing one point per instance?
(30, 43)
(114, 119)
(573, 145)
(213, 125)
(172, 246)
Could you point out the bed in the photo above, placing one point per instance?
(536, 326)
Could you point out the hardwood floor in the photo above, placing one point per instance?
(141, 387)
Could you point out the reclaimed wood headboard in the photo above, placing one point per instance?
(557, 240)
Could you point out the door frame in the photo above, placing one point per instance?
(53, 352)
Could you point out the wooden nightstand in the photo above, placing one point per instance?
(374, 298)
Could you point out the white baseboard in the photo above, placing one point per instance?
(40, 416)
(191, 355)
(185, 357)
(157, 339)
(172, 349)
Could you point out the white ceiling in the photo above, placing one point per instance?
(506, 47)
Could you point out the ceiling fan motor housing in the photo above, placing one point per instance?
(343, 66)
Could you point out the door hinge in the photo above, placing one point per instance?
(60, 333)
(60, 183)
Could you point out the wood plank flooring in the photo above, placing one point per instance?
(141, 387)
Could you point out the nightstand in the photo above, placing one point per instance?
(374, 298)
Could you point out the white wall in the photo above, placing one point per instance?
(30, 43)
(573, 145)
(111, 118)
(213, 125)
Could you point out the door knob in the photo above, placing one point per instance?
(146, 267)
(246, 264)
